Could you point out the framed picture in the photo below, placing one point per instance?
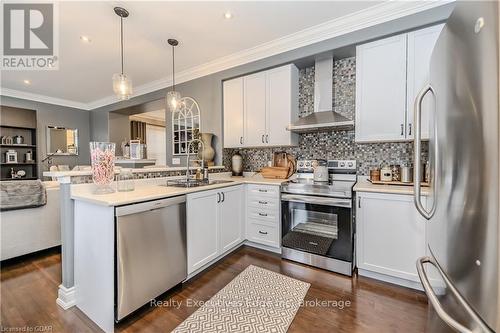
(11, 156)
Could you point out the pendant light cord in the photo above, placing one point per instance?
(121, 40)
(173, 68)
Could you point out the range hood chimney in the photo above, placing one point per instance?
(323, 118)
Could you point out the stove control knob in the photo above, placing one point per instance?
(342, 164)
(350, 164)
(308, 164)
(301, 164)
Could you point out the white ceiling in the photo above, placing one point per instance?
(85, 70)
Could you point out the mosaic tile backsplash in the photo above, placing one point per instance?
(332, 144)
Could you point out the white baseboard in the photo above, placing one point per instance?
(66, 297)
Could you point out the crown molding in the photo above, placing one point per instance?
(43, 98)
(378, 14)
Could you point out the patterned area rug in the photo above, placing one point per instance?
(257, 300)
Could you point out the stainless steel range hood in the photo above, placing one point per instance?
(323, 118)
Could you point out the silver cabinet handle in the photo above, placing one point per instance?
(263, 232)
(267, 138)
(223, 196)
(402, 130)
(434, 300)
(241, 140)
(409, 129)
(417, 175)
(218, 197)
(261, 190)
(262, 138)
(262, 214)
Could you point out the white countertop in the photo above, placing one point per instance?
(138, 170)
(363, 185)
(84, 192)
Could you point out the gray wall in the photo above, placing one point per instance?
(55, 115)
(119, 130)
(208, 90)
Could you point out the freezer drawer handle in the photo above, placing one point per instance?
(263, 232)
(417, 175)
(434, 300)
(263, 202)
(262, 214)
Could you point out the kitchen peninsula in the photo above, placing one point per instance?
(103, 264)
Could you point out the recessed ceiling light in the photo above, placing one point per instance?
(85, 39)
(27, 82)
(228, 15)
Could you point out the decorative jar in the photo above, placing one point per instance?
(102, 156)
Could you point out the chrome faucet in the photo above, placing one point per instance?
(189, 154)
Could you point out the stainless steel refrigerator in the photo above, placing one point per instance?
(463, 217)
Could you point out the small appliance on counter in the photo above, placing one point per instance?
(320, 173)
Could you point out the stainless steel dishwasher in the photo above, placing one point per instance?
(150, 251)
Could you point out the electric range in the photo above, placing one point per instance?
(317, 223)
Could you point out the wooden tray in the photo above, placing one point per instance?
(275, 172)
(379, 182)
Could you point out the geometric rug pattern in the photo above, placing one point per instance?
(257, 300)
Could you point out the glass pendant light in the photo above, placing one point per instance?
(122, 83)
(173, 97)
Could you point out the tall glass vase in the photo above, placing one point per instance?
(102, 156)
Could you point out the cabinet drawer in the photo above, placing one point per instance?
(266, 215)
(263, 202)
(263, 234)
(259, 191)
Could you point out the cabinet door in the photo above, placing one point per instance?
(282, 105)
(202, 229)
(390, 235)
(381, 90)
(233, 113)
(255, 109)
(420, 46)
(231, 217)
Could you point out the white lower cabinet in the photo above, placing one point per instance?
(390, 236)
(215, 221)
(231, 217)
(263, 215)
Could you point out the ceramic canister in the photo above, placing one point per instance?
(237, 164)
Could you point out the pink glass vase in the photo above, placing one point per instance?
(102, 156)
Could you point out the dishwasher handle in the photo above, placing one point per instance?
(149, 205)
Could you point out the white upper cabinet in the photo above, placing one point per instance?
(381, 90)
(233, 115)
(255, 109)
(282, 105)
(259, 107)
(389, 74)
(420, 46)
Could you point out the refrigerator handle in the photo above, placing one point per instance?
(417, 175)
(434, 300)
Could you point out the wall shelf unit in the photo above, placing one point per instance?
(18, 122)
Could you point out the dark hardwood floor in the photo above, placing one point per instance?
(29, 290)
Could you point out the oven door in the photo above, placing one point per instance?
(318, 225)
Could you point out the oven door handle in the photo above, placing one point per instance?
(317, 200)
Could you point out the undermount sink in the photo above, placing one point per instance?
(195, 182)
